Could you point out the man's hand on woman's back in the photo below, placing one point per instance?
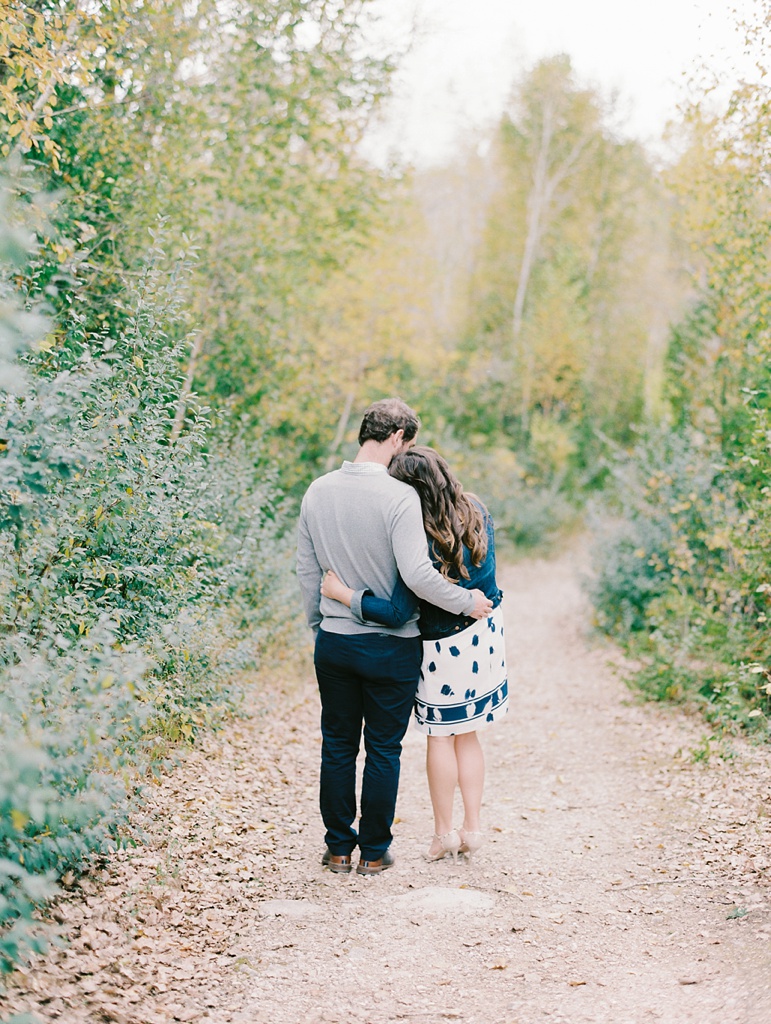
(482, 605)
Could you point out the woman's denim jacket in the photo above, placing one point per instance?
(435, 623)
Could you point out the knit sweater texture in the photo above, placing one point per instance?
(367, 527)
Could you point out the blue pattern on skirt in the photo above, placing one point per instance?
(450, 666)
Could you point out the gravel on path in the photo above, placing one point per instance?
(625, 878)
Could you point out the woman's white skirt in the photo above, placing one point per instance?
(463, 684)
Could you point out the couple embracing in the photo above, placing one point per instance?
(396, 564)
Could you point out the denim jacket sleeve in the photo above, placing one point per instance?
(391, 611)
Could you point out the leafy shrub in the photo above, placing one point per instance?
(626, 579)
(70, 718)
(676, 558)
(138, 576)
(662, 526)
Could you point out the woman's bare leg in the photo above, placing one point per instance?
(470, 760)
(442, 772)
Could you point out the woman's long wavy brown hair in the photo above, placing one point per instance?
(451, 516)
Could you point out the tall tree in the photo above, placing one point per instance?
(564, 327)
(555, 126)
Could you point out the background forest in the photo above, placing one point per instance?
(203, 285)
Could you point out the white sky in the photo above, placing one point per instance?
(467, 54)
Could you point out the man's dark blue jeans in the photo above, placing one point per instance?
(365, 679)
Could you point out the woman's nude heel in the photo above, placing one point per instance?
(469, 841)
(450, 843)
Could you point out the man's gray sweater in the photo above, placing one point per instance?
(367, 527)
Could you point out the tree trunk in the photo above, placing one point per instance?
(536, 205)
(187, 386)
(345, 415)
(342, 426)
(540, 204)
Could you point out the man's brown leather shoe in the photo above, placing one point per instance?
(341, 864)
(374, 867)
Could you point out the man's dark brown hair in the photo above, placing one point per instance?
(385, 417)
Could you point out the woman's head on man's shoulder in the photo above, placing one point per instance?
(425, 470)
(452, 517)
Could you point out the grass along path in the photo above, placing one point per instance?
(622, 882)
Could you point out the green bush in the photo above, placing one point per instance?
(626, 579)
(676, 574)
(71, 715)
(662, 526)
(139, 576)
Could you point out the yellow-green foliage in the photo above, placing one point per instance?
(138, 577)
(701, 602)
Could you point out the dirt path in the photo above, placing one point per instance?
(623, 882)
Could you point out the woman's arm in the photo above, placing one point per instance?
(392, 612)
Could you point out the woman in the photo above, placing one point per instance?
(463, 683)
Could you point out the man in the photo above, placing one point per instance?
(367, 527)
